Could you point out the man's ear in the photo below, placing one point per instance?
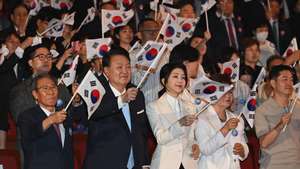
(272, 82)
(138, 35)
(30, 62)
(34, 94)
(11, 17)
(105, 70)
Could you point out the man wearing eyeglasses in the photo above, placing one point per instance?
(45, 131)
(148, 31)
(21, 99)
(40, 61)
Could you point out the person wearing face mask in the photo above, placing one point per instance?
(266, 47)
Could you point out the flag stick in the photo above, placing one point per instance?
(206, 19)
(82, 23)
(144, 78)
(164, 24)
(48, 29)
(269, 5)
(59, 82)
(203, 109)
(291, 111)
(72, 98)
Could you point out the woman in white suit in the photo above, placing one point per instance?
(172, 120)
(220, 134)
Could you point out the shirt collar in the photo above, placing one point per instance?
(47, 112)
(115, 91)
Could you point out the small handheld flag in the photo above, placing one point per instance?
(97, 47)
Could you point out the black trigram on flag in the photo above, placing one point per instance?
(198, 91)
(222, 88)
(178, 34)
(140, 58)
(66, 75)
(124, 15)
(205, 83)
(93, 83)
(95, 45)
(169, 41)
(110, 26)
(233, 76)
(108, 15)
(234, 65)
(213, 98)
(92, 108)
(86, 93)
(147, 47)
(251, 116)
(253, 93)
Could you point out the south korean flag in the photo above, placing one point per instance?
(250, 107)
(97, 47)
(209, 90)
(232, 69)
(187, 25)
(171, 32)
(115, 18)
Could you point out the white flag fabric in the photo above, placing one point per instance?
(250, 107)
(69, 76)
(150, 54)
(187, 26)
(209, 90)
(69, 19)
(61, 4)
(154, 4)
(165, 10)
(135, 46)
(91, 91)
(56, 28)
(293, 46)
(171, 31)
(91, 13)
(115, 18)
(97, 47)
(297, 89)
(260, 78)
(232, 69)
(36, 6)
(206, 5)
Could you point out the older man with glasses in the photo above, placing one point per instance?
(46, 132)
(40, 62)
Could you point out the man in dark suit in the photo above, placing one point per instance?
(118, 129)
(46, 132)
(227, 30)
(18, 17)
(279, 31)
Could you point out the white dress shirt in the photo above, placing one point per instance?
(61, 126)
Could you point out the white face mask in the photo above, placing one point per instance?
(262, 36)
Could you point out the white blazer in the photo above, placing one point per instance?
(174, 141)
(217, 150)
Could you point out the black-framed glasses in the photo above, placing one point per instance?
(47, 88)
(44, 57)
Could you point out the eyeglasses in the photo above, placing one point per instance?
(47, 88)
(44, 57)
(150, 30)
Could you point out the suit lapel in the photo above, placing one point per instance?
(51, 128)
(168, 112)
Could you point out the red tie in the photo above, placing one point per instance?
(231, 34)
(56, 127)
